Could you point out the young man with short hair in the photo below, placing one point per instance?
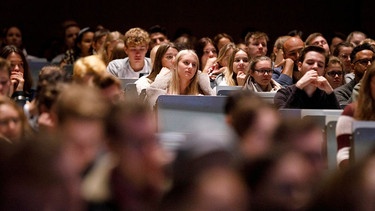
(312, 90)
(136, 42)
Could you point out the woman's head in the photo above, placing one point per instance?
(186, 64)
(87, 68)
(18, 63)
(261, 70)
(71, 31)
(83, 43)
(5, 72)
(13, 122)
(205, 49)
(165, 57)
(224, 54)
(334, 72)
(110, 42)
(13, 36)
(185, 71)
(239, 61)
(366, 98)
(222, 39)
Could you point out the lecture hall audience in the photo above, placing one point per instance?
(82, 143)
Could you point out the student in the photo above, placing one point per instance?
(360, 58)
(21, 79)
(259, 78)
(235, 74)
(343, 51)
(334, 72)
(136, 46)
(111, 41)
(286, 72)
(312, 90)
(87, 68)
(13, 123)
(257, 43)
(5, 71)
(100, 37)
(164, 58)
(222, 39)
(158, 35)
(205, 50)
(318, 39)
(362, 109)
(82, 47)
(356, 37)
(184, 79)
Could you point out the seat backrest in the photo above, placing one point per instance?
(35, 66)
(125, 81)
(363, 139)
(267, 96)
(131, 90)
(225, 90)
(327, 120)
(182, 113)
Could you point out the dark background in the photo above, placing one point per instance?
(40, 21)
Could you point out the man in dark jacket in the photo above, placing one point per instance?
(312, 90)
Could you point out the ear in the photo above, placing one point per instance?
(251, 73)
(299, 65)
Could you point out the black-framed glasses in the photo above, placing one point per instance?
(333, 73)
(363, 62)
(269, 71)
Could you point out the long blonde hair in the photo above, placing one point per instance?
(174, 87)
(366, 103)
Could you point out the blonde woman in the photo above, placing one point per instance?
(184, 79)
(13, 123)
(87, 68)
(218, 65)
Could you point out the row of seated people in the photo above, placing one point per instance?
(311, 91)
(109, 155)
(234, 66)
(75, 114)
(261, 74)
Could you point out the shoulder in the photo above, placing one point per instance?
(117, 63)
(287, 89)
(143, 80)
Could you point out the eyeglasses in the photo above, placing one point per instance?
(333, 73)
(269, 71)
(363, 62)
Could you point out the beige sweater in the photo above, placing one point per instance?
(161, 84)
